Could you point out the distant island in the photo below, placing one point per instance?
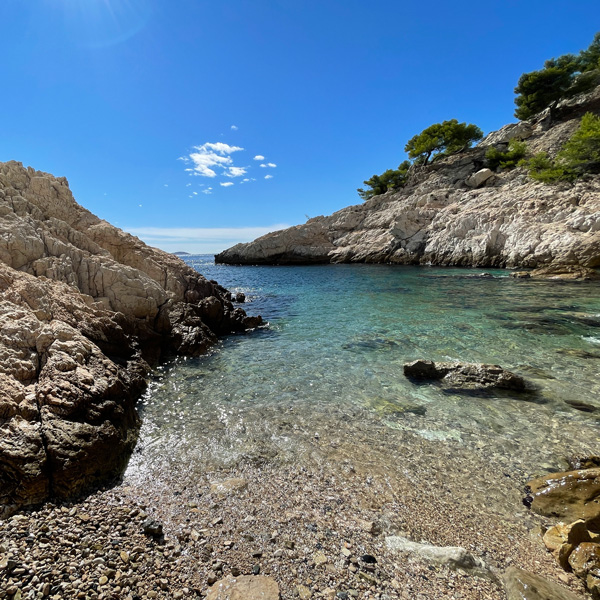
(181, 253)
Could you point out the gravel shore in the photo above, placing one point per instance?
(318, 528)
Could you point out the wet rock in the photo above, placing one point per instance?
(152, 528)
(560, 272)
(228, 486)
(569, 496)
(561, 533)
(454, 557)
(465, 376)
(585, 558)
(584, 462)
(247, 587)
(522, 585)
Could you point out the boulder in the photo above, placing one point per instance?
(246, 587)
(560, 272)
(585, 559)
(522, 585)
(570, 496)
(478, 179)
(465, 376)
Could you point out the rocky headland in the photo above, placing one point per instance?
(85, 311)
(456, 211)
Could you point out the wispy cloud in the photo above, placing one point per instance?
(198, 239)
(236, 171)
(226, 184)
(234, 127)
(259, 157)
(268, 176)
(210, 156)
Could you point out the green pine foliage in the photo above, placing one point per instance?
(580, 155)
(507, 159)
(389, 180)
(442, 138)
(561, 77)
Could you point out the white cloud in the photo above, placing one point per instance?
(207, 191)
(268, 176)
(259, 157)
(200, 240)
(234, 127)
(227, 184)
(272, 165)
(236, 171)
(166, 185)
(210, 156)
(188, 184)
(194, 193)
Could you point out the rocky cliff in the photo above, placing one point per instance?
(456, 212)
(84, 310)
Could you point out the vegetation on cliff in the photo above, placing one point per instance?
(579, 155)
(560, 78)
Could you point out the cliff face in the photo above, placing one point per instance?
(453, 212)
(84, 309)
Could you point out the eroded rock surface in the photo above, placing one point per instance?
(84, 309)
(522, 585)
(456, 212)
(465, 376)
(569, 496)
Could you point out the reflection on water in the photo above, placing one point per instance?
(330, 364)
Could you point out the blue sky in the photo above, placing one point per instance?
(198, 124)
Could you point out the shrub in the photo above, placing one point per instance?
(392, 179)
(508, 159)
(579, 155)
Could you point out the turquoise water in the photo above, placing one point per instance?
(329, 365)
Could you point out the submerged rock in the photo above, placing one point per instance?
(465, 376)
(454, 557)
(571, 495)
(560, 272)
(85, 309)
(522, 585)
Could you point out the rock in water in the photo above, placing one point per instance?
(247, 587)
(84, 309)
(522, 585)
(569, 496)
(465, 376)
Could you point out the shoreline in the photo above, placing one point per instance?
(304, 524)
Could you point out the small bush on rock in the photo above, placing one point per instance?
(507, 159)
(580, 155)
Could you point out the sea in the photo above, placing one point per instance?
(329, 363)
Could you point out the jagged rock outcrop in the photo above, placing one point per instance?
(84, 309)
(455, 212)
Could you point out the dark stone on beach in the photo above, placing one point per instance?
(152, 528)
(466, 376)
(584, 462)
(367, 558)
(240, 297)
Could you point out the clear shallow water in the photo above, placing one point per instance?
(329, 366)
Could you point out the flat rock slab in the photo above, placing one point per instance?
(465, 376)
(569, 496)
(228, 486)
(246, 587)
(522, 585)
(454, 557)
